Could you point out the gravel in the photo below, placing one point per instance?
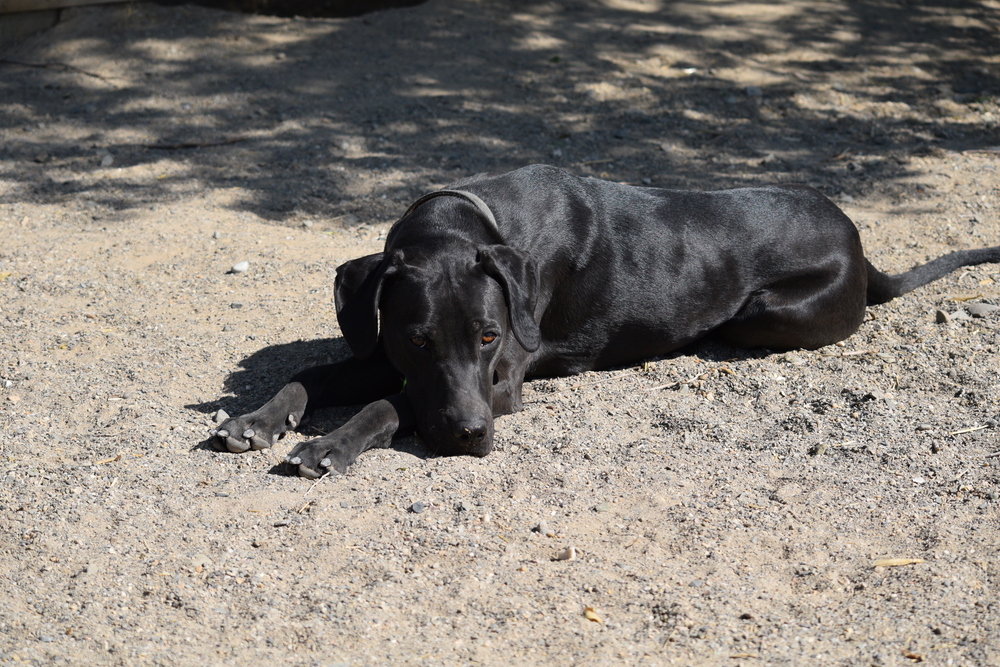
(774, 480)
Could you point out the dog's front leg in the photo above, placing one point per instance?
(348, 382)
(372, 428)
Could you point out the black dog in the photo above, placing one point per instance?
(539, 273)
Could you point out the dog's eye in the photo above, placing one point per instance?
(489, 337)
(419, 341)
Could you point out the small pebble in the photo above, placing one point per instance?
(216, 235)
(281, 524)
(236, 304)
(981, 309)
(200, 560)
(941, 317)
(220, 416)
(107, 161)
(240, 267)
(543, 529)
(569, 553)
(603, 507)
(753, 91)
(416, 507)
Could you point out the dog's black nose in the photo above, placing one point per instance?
(470, 432)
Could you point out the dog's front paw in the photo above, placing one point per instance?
(315, 458)
(256, 430)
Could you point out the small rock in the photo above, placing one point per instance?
(543, 529)
(941, 317)
(236, 304)
(924, 427)
(753, 91)
(107, 160)
(981, 309)
(201, 560)
(13, 398)
(307, 224)
(603, 507)
(416, 507)
(240, 267)
(216, 235)
(959, 315)
(818, 449)
(220, 416)
(464, 506)
(569, 553)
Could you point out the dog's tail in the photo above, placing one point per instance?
(882, 287)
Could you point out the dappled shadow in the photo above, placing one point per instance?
(345, 121)
(265, 371)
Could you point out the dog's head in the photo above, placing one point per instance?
(446, 318)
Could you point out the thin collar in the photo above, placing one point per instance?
(484, 210)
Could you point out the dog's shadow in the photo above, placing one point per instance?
(264, 372)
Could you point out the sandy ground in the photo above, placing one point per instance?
(725, 507)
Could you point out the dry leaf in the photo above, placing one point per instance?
(896, 562)
(591, 615)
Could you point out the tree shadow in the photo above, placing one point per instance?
(299, 117)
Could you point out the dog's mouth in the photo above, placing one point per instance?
(459, 437)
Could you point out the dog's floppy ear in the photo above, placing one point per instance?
(357, 290)
(518, 277)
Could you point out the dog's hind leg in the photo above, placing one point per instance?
(806, 311)
(348, 382)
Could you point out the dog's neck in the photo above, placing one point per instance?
(480, 205)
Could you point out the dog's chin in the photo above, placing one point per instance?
(446, 448)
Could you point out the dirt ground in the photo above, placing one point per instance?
(724, 507)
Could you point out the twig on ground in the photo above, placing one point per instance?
(194, 144)
(62, 66)
(968, 430)
(321, 478)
